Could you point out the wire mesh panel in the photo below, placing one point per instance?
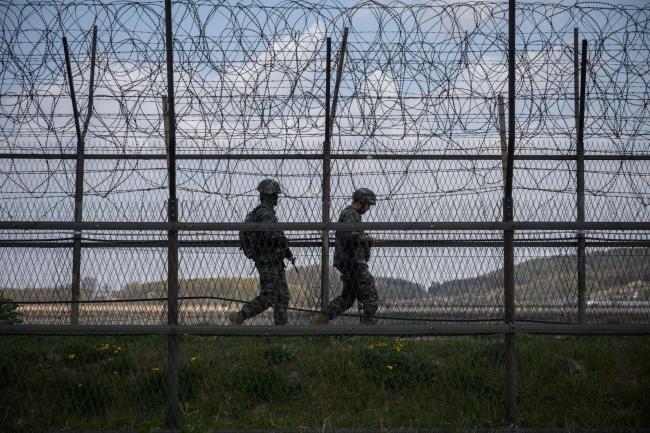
(546, 284)
(617, 191)
(226, 190)
(617, 285)
(420, 190)
(125, 190)
(35, 190)
(126, 286)
(117, 285)
(414, 284)
(39, 279)
(215, 281)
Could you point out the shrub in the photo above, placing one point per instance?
(8, 313)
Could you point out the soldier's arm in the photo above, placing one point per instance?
(352, 238)
(274, 237)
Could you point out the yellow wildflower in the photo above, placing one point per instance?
(391, 366)
(194, 359)
(155, 369)
(71, 356)
(378, 345)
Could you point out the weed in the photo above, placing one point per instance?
(280, 353)
(190, 376)
(392, 367)
(82, 396)
(149, 387)
(265, 384)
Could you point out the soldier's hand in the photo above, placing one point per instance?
(371, 239)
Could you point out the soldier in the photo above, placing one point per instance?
(267, 249)
(351, 259)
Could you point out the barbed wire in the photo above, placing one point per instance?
(417, 78)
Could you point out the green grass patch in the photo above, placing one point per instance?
(360, 382)
(263, 385)
(280, 353)
(392, 366)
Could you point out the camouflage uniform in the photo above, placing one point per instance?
(351, 259)
(272, 248)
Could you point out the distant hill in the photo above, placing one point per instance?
(388, 288)
(221, 288)
(613, 273)
(304, 287)
(59, 293)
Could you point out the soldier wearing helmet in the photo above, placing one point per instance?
(267, 249)
(351, 257)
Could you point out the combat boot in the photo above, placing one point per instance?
(236, 317)
(320, 319)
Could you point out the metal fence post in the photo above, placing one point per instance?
(172, 235)
(79, 173)
(508, 235)
(78, 196)
(327, 199)
(580, 175)
(503, 136)
(339, 74)
(330, 115)
(576, 81)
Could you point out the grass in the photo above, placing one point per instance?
(120, 382)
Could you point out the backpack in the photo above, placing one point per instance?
(248, 239)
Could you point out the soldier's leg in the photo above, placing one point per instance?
(282, 297)
(367, 293)
(267, 294)
(344, 301)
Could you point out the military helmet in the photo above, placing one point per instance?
(269, 186)
(364, 196)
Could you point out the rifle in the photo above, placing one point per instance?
(293, 262)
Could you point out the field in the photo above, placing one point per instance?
(119, 382)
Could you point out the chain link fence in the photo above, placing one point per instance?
(123, 199)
